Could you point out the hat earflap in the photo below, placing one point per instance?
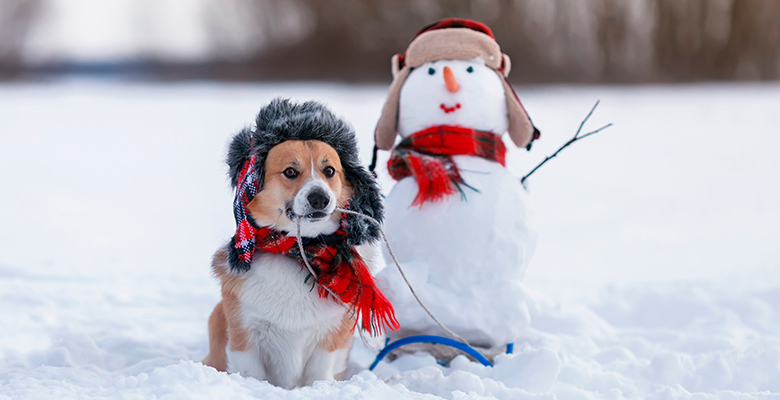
(396, 64)
(366, 199)
(506, 64)
(387, 127)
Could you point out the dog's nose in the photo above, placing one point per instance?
(318, 200)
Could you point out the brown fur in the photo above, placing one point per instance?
(225, 321)
(268, 206)
(341, 337)
(268, 209)
(217, 358)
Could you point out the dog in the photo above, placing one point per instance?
(291, 173)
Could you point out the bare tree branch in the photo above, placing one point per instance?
(572, 140)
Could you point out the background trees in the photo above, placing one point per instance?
(549, 40)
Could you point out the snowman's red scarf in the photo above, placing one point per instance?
(427, 155)
(341, 270)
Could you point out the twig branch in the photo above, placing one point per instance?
(572, 140)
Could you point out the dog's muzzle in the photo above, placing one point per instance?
(318, 204)
(314, 202)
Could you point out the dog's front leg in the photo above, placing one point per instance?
(329, 360)
(247, 363)
(325, 365)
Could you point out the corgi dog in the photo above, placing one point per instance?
(292, 173)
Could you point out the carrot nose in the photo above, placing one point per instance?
(450, 81)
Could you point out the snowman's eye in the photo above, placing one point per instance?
(470, 69)
(431, 71)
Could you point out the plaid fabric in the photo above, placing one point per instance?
(457, 23)
(341, 269)
(338, 266)
(246, 232)
(427, 155)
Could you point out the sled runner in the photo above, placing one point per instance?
(433, 339)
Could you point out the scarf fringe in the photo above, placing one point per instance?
(354, 285)
(434, 182)
(427, 156)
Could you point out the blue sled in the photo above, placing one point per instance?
(439, 340)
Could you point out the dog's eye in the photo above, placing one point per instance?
(329, 172)
(290, 173)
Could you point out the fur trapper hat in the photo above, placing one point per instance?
(453, 39)
(282, 120)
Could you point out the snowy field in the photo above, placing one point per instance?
(657, 273)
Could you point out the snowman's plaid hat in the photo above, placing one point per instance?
(453, 39)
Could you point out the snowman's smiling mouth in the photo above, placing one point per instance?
(448, 110)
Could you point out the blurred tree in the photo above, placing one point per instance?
(548, 40)
(16, 17)
(753, 49)
(718, 39)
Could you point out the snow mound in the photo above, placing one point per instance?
(686, 340)
(656, 275)
(464, 257)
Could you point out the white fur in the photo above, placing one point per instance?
(286, 320)
(481, 96)
(285, 317)
(311, 228)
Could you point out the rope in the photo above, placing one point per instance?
(314, 275)
(306, 261)
(403, 275)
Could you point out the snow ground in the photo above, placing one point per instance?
(657, 273)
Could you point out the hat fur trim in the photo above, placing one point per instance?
(451, 44)
(282, 120)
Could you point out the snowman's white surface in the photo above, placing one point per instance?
(465, 257)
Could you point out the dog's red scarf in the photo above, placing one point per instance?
(341, 270)
(427, 156)
(338, 266)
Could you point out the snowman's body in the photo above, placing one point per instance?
(465, 257)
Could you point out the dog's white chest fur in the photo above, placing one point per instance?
(466, 258)
(275, 284)
(286, 320)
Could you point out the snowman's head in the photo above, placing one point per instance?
(452, 73)
(453, 92)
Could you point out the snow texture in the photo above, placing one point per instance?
(466, 254)
(656, 274)
(465, 258)
(480, 98)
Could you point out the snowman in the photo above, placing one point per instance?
(458, 221)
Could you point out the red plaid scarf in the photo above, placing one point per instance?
(338, 266)
(427, 155)
(341, 270)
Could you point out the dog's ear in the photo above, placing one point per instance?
(238, 153)
(365, 200)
